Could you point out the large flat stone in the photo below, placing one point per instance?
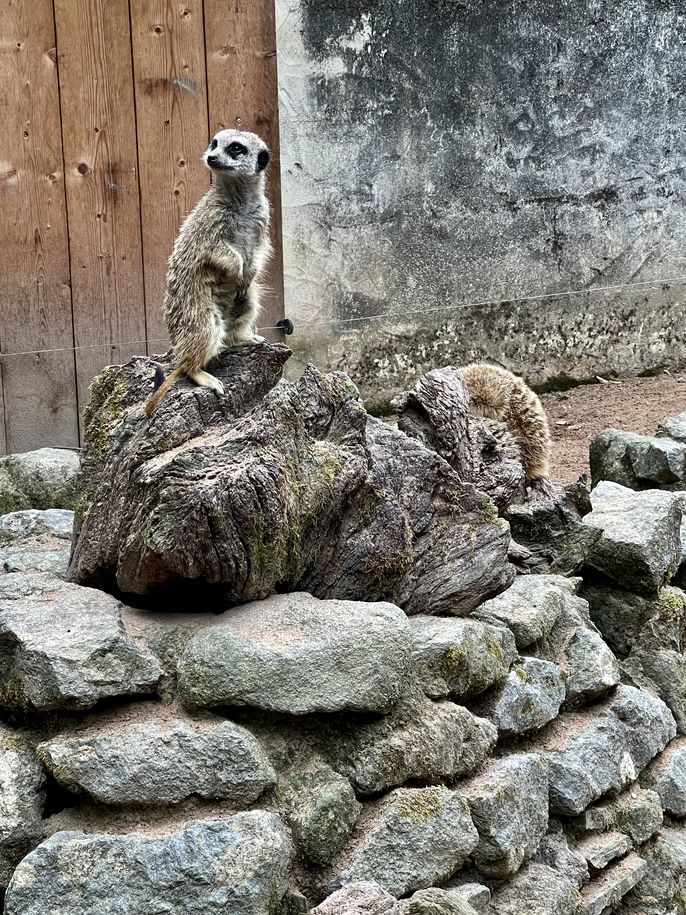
(40, 479)
(529, 608)
(536, 890)
(296, 654)
(637, 461)
(610, 886)
(64, 646)
(238, 865)
(36, 541)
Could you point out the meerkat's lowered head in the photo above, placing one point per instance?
(495, 393)
(212, 298)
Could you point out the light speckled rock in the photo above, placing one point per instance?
(162, 763)
(459, 657)
(529, 608)
(637, 461)
(600, 849)
(435, 902)
(420, 739)
(64, 646)
(409, 840)
(536, 890)
(38, 541)
(673, 427)
(22, 795)
(662, 887)
(636, 812)
(529, 698)
(41, 479)
(476, 895)
(321, 809)
(364, 898)
(640, 547)
(296, 654)
(576, 646)
(556, 852)
(238, 865)
(509, 806)
(612, 884)
(667, 776)
(604, 748)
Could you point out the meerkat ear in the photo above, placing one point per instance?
(262, 160)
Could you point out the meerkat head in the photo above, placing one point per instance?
(236, 153)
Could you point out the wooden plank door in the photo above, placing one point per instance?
(243, 90)
(101, 166)
(39, 395)
(168, 38)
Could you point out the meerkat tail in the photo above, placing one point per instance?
(160, 390)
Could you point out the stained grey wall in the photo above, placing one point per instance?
(460, 151)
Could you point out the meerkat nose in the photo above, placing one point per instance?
(211, 160)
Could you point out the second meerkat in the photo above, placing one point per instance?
(212, 295)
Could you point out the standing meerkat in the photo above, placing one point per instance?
(497, 394)
(212, 299)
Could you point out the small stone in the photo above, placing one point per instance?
(612, 884)
(22, 795)
(640, 547)
(636, 461)
(411, 839)
(364, 898)
(636, 812)
(556, 852)
(662, 884)
(420, 740)
(296, 654)
(529, 698)
(435, 902)
(321, 810)
(673, 427)
(667, 775)
(64, 646)
(529, 608)
(454, 657)
(509, 807)
(599, 850)
(158, 763)
(476, 895)
(238, 865)
(536, 890)
(40, 479)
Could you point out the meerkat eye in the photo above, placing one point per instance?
(236, 149)
(213, 144)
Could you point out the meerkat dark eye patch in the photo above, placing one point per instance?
(262, 159)
(236, 149)
(213, 144)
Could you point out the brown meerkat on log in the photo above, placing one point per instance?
(212, 299)
(497, 394)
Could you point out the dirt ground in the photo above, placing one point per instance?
(634, 405)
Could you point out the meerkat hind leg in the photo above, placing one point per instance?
(205, 380)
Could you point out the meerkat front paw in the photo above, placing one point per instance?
(257, 339)
(205, 380)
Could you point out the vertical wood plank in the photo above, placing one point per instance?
(171, 114)
(242, 87)
(99, 129)
(39, 391)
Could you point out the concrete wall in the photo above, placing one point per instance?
(443, 153)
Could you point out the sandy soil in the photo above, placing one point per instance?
(635, 405)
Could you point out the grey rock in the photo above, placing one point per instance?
(459, 657)
(599, 850)
(411, 839)
(536, 890)
(662, 887)
(22, 795)
(673, 427)
(293, 903)
(294, 653)
(238, 865)
(35, 540)
(667, 776)
(603, 749)
(640, 547)
(325, 500)
(419, 740)
(556, 852)
(619, 615)
(321, 809)
(575, 645)
(509, 807)
(529, 698)
(162, 763)
(38, 479)
(474, 894)
(637, 461)
(612, 884)
(636, 812)
(64, 646)
(435, 902)
(363, 898)
(529, 608)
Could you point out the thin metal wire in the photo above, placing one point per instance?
(665, 281)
